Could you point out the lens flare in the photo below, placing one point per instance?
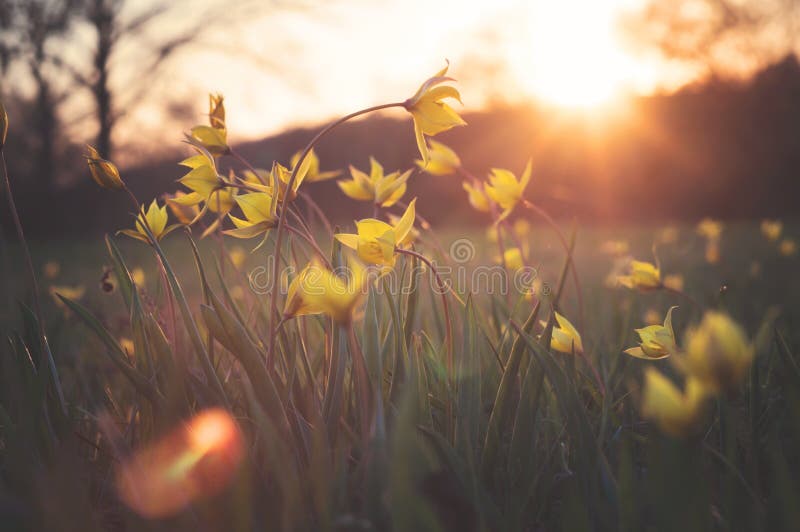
(194, 461)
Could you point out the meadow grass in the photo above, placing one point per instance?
(174, 389)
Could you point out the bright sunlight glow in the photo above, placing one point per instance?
(572, 57)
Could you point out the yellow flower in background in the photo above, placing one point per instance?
(296, 302)
(674, 281)
(313, 174)
(652, 317)
(70, 292)
(788, 247)
(237, 256)
(668, 235)
(675, 412)
(657, 341)
(512, 257)
(772, 229)
(128, 347)
(260, 213)
(442, 160)
(717, 352)
(521, 228)
(322, 291)
(477, 196)
(616, 248)
(104, 172)
(384, 190)
(641, 276)
(712, 251)
(51, 269)
(375, 241)
(137, 275)
(155, 218)
(430, 114)
(709, 228)
(566, 338)
(505, 189)
(216, 111)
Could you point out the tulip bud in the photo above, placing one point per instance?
(718, 353)
(216, 113)
(103, 172)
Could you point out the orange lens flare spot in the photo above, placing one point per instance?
(195, 461)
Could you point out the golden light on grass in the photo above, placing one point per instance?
(195, 461)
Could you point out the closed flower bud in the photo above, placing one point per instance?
(104, 172)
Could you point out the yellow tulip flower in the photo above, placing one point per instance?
(213, 139)
(677, 413)
(430, 114)
(565, 338)
(505, 189)
(260, 212)
(296, 302)
(279, 178)
(155, 218)
(717, 352)
(442, 160)
(216, 111)
(317, 290)
(642, 276)
(384, 190)
(202, 177)
(772, 229)
(477, 196)
(375, 241)
(394, 220)
(657, 341)
(104, 172)
(313, 174)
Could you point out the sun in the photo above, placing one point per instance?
(570, 56)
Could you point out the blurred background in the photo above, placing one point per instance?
(631, 111)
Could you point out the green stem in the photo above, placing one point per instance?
(552, 223)
(12, 206)
(449, 361)
(282, 217)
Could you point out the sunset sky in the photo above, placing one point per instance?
(298, 63)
